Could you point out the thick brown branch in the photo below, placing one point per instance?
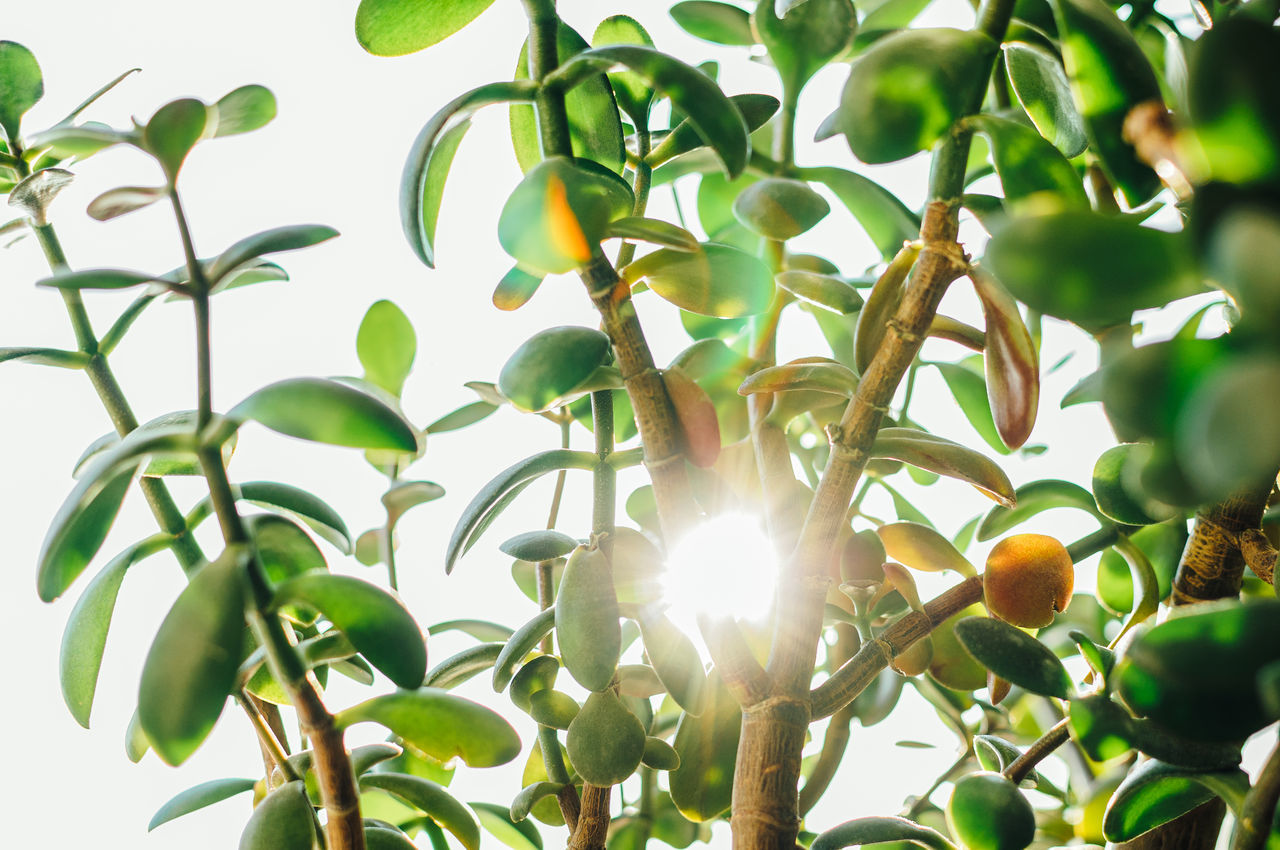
(1212, 565)
(738, 668)
(1259, 555)
(861, 670)
(593, 820)
(660, 430)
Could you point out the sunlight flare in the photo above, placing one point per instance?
(724, 568)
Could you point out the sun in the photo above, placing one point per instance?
(724, 568)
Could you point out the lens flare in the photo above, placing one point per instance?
(724, 568)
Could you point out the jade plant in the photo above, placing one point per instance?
(1107, 161)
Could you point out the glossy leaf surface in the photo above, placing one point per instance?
(21, 85)
(1015, 656)
(386, 344)
(779, 208)
(937, 454)
(440, 725)
(173, 131)
(587, 620)
(717, 280)
(198, 797)
(549, 366)
(399, 27)
(1040, 83)
(719, 23)
(282, 821)
(326, 411)
(432, 800)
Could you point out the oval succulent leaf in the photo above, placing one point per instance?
(537, 674)
(288, 238)
(878, 830)
(282, 821)
(1090, 269)
(702, 787)
(921, 548)
(327, 412)
(886, 219)
(586, 617)
(756, 111)
(653, 230)
(529, 797)
(522, 641)
(173, 131)
(1011, 362)
(697, 416)
(718, 23)
(882, 305)
(1154, 793)
(1040, 83)
(717, 280)
(1015, 656)
(779, 208)
(825, 377)
(431, 155)
(376, 623)
(194, 658)
(400, 27)
(497, 821)
(543, 545)
(802, 38)
(441, 725)
(21, 85)
(634, 96)
(676, 662)
(659, 755)
(1033, 173)
(198, 797)
(243, 110)
(908, 89)
(549, 707)
(1031, 499)
(548, 367)
(825, 290)
(298, 503)
(605, 740)
(937, 454)
(494, 497)
(517, 287)
(117, 202)
(432, 800)
(386, 345)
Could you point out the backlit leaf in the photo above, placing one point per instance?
(605, 740)
(198, 797)
(21, 85)
(288, 238)
(715, 281)
(430, 799)
(547, 368)
(803, 39)
(1032, 172)
(1041, 86)
(399, 27)
(719, 23)
(922, 548)
(779, 208)
(586, 617)
(173, 131)
(886, 219)
(327, 412)
(1011, 363)
(1030, 500)
(243, 110)
(937, 454)
(441, 725)
(386, 345)
(702, 787)
(878, 830)
(1154, 793)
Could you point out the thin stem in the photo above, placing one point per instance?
(1020, 767)
(553, 120)
(1254, 826)
(267, 738)
(643, 179)
(546, 584)
(836, 739)
(645, 813)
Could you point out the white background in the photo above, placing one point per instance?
(334, 156)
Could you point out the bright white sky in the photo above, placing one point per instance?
(333, 156)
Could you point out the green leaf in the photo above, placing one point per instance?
(656, 231)
(46, 357)
(21, 85)
(498, 822)
(288, 238)
(198, 797)
(80, 141)
(1109, 76)
(518, 286)
(1011, 361)
(409, 494)
(282, 821)
(431, 155)
(386, 346)
(595, 129)
(538, 674)
(549, 367)
(1032, 499)
(676, 662)
(519, 645)
(377, 837)
(756, 111)
(1091, 269)
(937, 454)
(1015, 656)
(702, 787)
(605, 740)
(376, 623)
(715, 281)
(478, 629)
(430, 799)
(283, 548)
(1033, 172)
(907, 90)
(97, 279)
(82, 522)
(824, 290)
(817, 376)
(1040, 83)
(922, 548)
(117, 202)
(1117, 497)
(634, 97)
(463, 665)
(243, 110)
(440, 725)
(494, 497)
(468, 414)
(718, 23)
(553, 708)
(885, 218)
(556, 218)
(691, 92)
(1204, 665)
(988, 812)
(295, 502)
(882, 306)
(544, 545)
(173, 131)
(586, 618)
(779, 208)
(529, 796)
(85, 636)
(326, 411)
(399, 27)
(878, 830)
(804, 39)
(1154, 793)
(193, 661)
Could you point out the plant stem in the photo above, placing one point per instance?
(267, 738)
(660, 431)
(1212, 564)
(338, 793)
(546, 585)
(836, 738)
(1258, 813)
(1057, 735)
